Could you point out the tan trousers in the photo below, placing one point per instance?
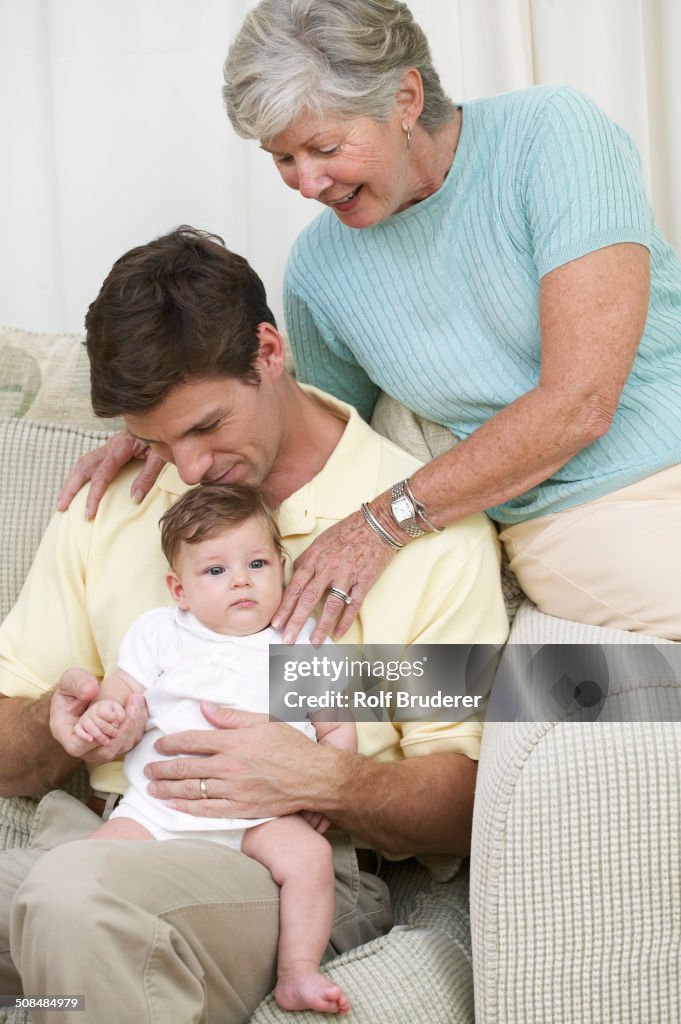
(615, 561)
(182, 931)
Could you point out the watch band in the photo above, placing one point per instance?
(403, 510)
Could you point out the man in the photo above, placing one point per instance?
(182, 343)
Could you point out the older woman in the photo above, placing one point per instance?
(488, 265)
(495, 266)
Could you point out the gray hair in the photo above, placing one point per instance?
(345, 57)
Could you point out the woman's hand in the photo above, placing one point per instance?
(101, 466)
(348, 556)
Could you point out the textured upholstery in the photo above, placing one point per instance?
(34, 459)
(420, 972)
(576, 881)
(575, 878)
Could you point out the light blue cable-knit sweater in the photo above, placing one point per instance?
(438, 305)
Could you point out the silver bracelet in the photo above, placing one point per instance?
(421, 510)
(371, 521)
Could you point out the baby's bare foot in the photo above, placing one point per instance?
(307, 989)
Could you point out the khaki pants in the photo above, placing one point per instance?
(615, 561)
(181, 931)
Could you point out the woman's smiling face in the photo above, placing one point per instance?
(358, 167)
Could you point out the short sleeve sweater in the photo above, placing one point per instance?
(439, 304)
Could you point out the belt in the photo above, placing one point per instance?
(103, 802)
(368, 860)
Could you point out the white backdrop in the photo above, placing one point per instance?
(112, 129)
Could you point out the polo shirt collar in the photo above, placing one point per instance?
(349, 477)
(169, 480)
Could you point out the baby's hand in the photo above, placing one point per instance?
(317, 821)
(100, 722)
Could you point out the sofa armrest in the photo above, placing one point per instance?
(576, 853)
(531, 626)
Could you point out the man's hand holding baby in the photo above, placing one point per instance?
(77, 692)
(253, 768)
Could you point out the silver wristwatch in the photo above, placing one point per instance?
(403, 510)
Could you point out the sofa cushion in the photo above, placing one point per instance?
(419, 971)
(34, 459)
(46, 424)
(47, 377)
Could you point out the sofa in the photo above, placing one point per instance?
(574, 912)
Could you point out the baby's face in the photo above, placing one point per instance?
(232, 582)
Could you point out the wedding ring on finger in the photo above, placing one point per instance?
(337, 592)
(202, 789)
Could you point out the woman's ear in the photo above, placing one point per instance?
(409, 98)
(176, 590)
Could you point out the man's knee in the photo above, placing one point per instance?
(76, 886)
(55, 889)
(15, 865)
(199, 914)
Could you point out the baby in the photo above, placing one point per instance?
(226, 579)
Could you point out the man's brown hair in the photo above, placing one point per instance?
(209, 510)
(180, 308)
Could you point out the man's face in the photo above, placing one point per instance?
(216, 431)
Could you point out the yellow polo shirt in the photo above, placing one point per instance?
(90, 580)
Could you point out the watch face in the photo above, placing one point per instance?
(402, 509)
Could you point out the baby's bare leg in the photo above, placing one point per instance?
(121, 828)
(300, 862)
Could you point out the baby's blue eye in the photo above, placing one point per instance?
(257, 563)
(215, 570)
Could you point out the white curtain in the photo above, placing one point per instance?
(112, 129)
(622, 53)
